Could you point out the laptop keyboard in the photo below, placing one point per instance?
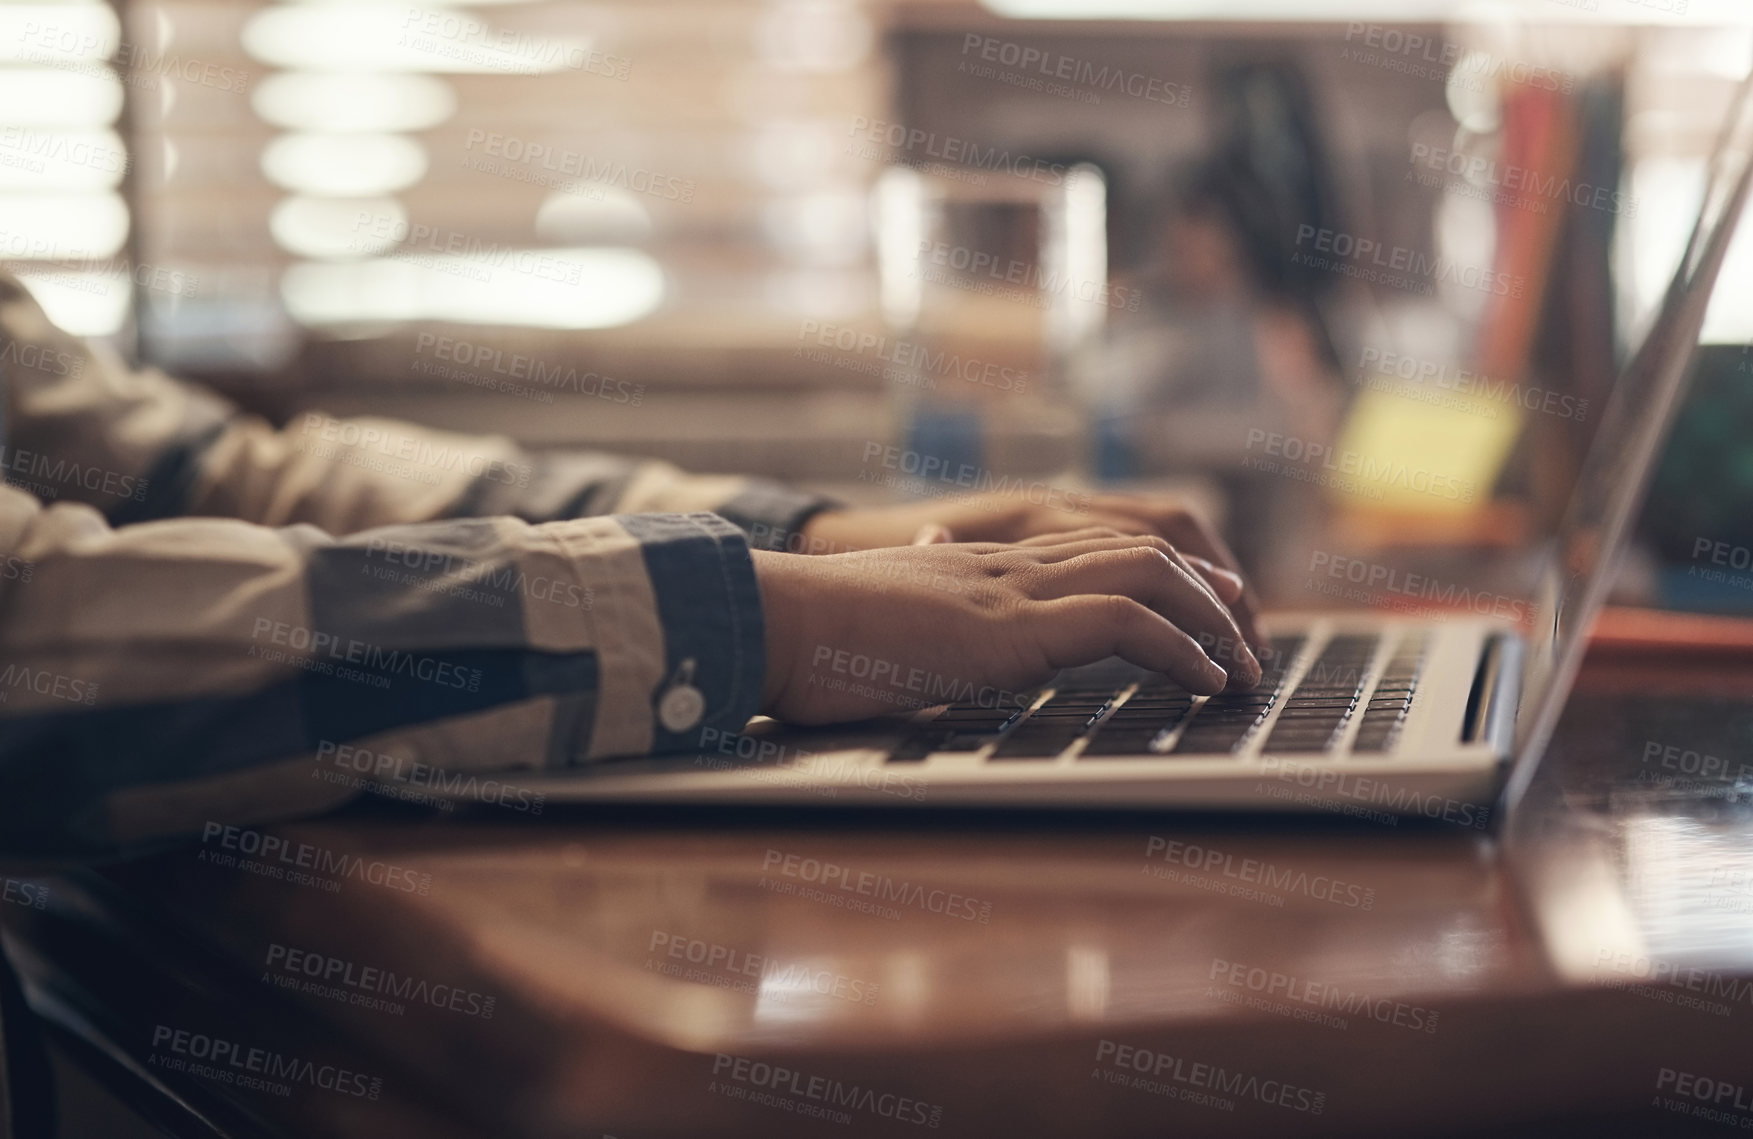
(1325, 699)
(1385, 714)
(1147, 715)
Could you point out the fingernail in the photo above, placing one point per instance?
(1251, 661)
(1233, 578)
(1220, 678)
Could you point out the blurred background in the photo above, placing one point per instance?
(1354, 276)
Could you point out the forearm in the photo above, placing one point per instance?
(165, 675)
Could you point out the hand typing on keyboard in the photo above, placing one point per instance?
(1011, 518)
(861, 634)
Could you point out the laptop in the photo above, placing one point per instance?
(1358, 713)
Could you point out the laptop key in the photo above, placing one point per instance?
(1038, 741)
(1109, 742)
(923, 743)
(1391, 703)
(1320, 707)
(1132, 727)
(1314, 745)
(1212, 738)
(1208, 743)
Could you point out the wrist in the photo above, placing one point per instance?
(775, 575)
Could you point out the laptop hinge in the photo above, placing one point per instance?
(1483, 697)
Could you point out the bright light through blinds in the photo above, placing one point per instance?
(63, 222)
(358, 81)
(340, 102)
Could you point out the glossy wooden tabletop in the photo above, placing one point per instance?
(681, 974)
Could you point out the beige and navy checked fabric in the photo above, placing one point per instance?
(194, 604)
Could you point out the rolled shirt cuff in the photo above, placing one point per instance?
(709, 607)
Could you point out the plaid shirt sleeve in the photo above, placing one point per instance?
(139, 445)
(196, 609)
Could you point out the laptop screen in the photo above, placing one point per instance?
(1615, 472)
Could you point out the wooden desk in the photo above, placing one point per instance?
(1002, 975)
